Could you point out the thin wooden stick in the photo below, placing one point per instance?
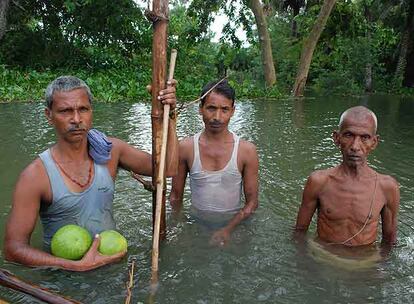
(130, 282)
(186, 105)
(165, 120)
(7, 279)
(160, 180)
(147, 184)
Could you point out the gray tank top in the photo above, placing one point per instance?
(91, 209)
(216, 191)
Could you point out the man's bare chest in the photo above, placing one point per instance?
(355, 202)
(215, 158)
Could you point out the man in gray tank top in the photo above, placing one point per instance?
(220, 165)
(72, 182)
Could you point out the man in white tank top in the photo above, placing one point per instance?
(219, 165)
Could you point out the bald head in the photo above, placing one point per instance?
(359, 113)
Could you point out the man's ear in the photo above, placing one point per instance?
(376, 140)
(335, 137)
(48, 114)
(233, 110)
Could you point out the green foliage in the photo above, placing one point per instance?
(23, 86)
(355, 37)
(108, 44)
(350, 43)
(286, 50)
(55, 34)
(109, 86)
(200, 61)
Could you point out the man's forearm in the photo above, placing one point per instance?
(300, 228)
(29, 256)
(176, 201)
(243, 214)
(389, 239)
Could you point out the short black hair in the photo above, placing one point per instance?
(223, 88)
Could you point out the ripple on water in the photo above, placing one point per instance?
(262, 263)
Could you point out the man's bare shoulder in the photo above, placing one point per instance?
(187, 142)
(33, 171)
(116, 143)
(34, 178)
(388, 183)
(186, 147)
(320, 177)
(247, 146)
(247, 150)
(119, 145)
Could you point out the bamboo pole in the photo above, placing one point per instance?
(165, 121)
(7, 279)
(159, 18)
(161, 174)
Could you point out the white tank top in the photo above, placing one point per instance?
(217, 191)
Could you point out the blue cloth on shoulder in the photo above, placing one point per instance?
(99, 146)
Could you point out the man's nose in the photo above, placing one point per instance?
(356, 143)
(217, 115)
(76, 117)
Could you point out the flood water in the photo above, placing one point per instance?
(261, 264)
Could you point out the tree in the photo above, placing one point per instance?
(58, 33)
(309, 47)
(237, 12)
(290, 5)
(264, 41)
(406, 43)
(4, 8)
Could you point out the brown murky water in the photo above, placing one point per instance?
(261, 263)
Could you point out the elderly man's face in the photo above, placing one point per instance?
(356, 139)
(71, 114)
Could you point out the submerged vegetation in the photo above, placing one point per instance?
(365, 46)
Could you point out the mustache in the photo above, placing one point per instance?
(215, 123)
(79, 127)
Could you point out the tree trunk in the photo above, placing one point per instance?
(368, 78)
(294, 25)
(309, 47)
(4, 7)
(159, 16)
(405, 46)
(265, 43)
(402, 57)
(368, 66)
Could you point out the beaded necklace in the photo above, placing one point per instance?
(70, 177)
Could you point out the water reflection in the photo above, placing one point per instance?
(261, 264)
(138, 125)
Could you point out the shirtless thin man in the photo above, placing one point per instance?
(351, 197)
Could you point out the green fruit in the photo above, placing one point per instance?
(112, 242)
(71, 242)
